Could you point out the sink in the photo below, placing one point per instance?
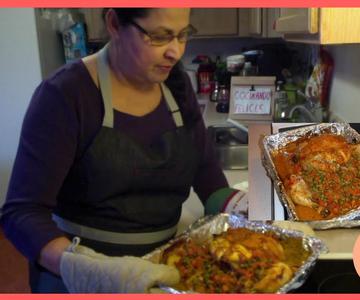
(231, 146)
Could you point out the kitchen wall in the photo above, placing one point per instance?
(50, 43)
(345, 88)
(221, 46)
(19, 75)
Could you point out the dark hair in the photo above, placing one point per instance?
(177, 82)
(126, 15)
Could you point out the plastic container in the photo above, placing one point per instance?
(234, 63)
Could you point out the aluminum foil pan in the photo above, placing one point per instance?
(274, 142)
(204, 228)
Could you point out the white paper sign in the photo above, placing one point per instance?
(252, 102)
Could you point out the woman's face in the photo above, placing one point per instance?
(141, 61)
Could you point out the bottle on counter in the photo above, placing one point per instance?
(249, 70)
(221, 77)
(223, 99)
(205, 75)
(281, 102)
(215, 92)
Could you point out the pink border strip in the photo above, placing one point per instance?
(184, 297)
(178, 3)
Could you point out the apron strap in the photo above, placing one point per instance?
(105, 88)
(121, 238)
(172, 105)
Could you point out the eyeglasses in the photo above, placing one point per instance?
(161, 39)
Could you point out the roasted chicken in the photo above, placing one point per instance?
(321, 175)
(237, 261)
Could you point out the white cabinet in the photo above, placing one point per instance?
(320, 25)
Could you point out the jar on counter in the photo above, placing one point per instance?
(223, 99)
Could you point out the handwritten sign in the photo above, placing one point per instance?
(247, 101)
(252, 99)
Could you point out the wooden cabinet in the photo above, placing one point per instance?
(210, 22)
(261, 22)
(242, 22)
(255, 21)
(269, 17)
(320, 25)
(215, 21)
(95, 26)
(297, 20)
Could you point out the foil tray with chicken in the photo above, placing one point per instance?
(238, 260)
(227, 253)
(320, 173)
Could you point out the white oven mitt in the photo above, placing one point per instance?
(85, 271)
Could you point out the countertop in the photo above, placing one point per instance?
(340, 242)
(210, 115)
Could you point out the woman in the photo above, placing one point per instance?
(109, 149)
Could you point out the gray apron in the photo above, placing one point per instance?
(123, 198)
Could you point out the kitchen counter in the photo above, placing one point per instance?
(210, 115)
(340, 242)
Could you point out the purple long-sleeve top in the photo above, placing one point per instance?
(64, 115)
